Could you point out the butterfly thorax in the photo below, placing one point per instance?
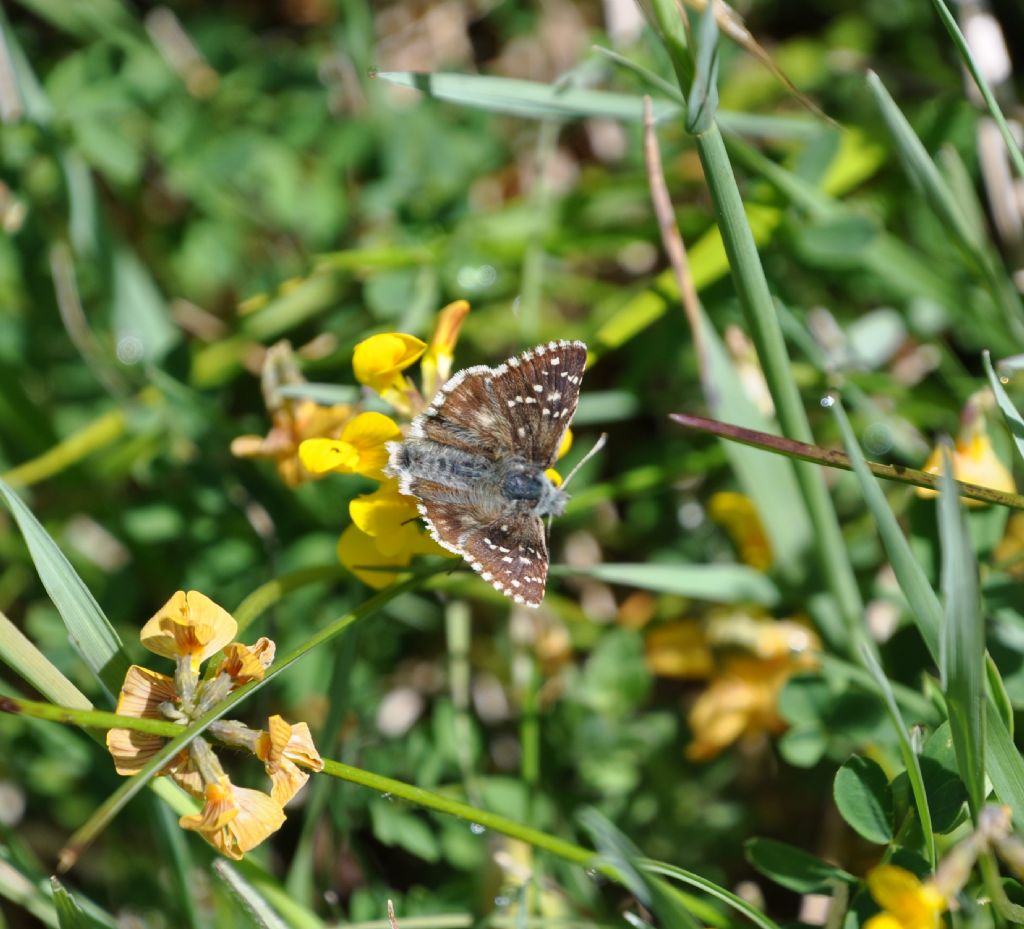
(530, 488)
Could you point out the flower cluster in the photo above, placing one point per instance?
(385, 532)
(189, 629)
(746, 661)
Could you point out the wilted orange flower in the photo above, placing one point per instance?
(189, 629)
(283, 749)
(189, 625)
(738, 516)
(293, 420)
(235, 819)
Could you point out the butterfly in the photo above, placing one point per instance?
(476, 461)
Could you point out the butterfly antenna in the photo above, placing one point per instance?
(598, 445)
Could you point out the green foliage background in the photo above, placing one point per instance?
(166, 220)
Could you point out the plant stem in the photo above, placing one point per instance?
(756, 299)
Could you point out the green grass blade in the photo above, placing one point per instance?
(926, 177)
(768, 480)
(910, 759)
(90, 630)
(531, 99)
(756, 299)
(1014, 421)
(711, 889)
(69, 913)
(656, 894)
(963, 641)
(991, 103)
(260, 912)
(1004, 765)
(25, 660)
(715, 583)
(924, 604)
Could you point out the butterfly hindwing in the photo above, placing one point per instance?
(512, 554)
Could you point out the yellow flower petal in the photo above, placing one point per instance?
(903, 896)
(242, 663)
(680, 649)
(283, 748)
(384, 512)
(379, 360)
(361, 449)
(436, 365)
(141, 695)
(319, 456)
(739, 702)
(235, 820)
(738, 516)
(189, 624)
(564, 445)
(369, 433)
(975, 462)
(552, 475)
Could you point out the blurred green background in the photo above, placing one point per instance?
(184, 185)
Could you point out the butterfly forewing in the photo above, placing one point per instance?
(539, 391)
(466, 414)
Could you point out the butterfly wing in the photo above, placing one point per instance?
(466, 414)
(539, 390)
(520, 408)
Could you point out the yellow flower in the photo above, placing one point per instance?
(738, 516)
(436, 365)
(189, 625)
(235, 820)
(563, 450)
(283, 748)
(906, 901)
(739, 703)
(680, 649)
(361, 448)
(380, 360)
(974, 462)
(292, 420)
(142, 695)
(357, 550)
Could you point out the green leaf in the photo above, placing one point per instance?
(716, 583)
(253, 903)
(963, 640)
(403, 828)
(88, 627)
(142, 324)
(792, 867)
(864, 798)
